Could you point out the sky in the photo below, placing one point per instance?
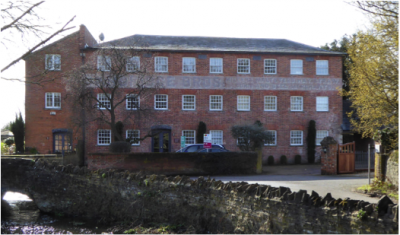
(312, 22)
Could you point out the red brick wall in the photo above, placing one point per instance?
(39, 123)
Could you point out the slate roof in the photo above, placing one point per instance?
(218, 44)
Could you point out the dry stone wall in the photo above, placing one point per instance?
(208, 205)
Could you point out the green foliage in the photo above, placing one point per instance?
(362, 214)
(283, 160)
(201, 130)
(33, 151)
(374, 74)
(130, 231)
(4, 148)
(297, 159)
(18, 129)
(119, 127)
(312, 132)
(103, 175)
(9, 141)
(271, 160)
(250, 137)
(341, 46)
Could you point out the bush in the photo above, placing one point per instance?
(297, 159)
(4, 149)
(271, 160)
(9, 141)
(120, 147)
(33, 151)
(283, 160)
(312, 132)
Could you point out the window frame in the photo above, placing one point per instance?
(128, 136)
(237, 65)
(103, 107)
(276, 103)
(186, 139)
(292, 138)
(104, 63)
(316, 137)
(212, 136)
(129, 101)
(316, 103)
(211, 102)
(184, 64)
(157, 65)
(53, 60)
(222, 65)
(320, 67)
(52, 106)
(184, 102)
(275, 139)
(98, 137)
(237, 103)
(131, 61)
(292, 67)
(155, 102)
(275, 67)
(292, 104)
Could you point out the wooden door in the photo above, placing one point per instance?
(346, 158)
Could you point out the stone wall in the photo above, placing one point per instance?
(177, 163)
(392, 168)
(208, 205)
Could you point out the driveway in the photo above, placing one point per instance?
(308, 177)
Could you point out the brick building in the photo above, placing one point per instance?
(220, 81)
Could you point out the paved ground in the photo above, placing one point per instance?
(308, 177)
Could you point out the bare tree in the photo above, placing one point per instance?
(20, 19)
(109, 87)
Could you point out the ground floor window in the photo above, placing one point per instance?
(190, 136)
(133, 136)
(216, 137)
(104, 137)
(296, 137)
(321, 134)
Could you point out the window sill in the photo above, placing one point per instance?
(52, 108)
(294, 111)
(190, 110)
(270, 110)
(322, 111)
(161, 72)
(102, 145)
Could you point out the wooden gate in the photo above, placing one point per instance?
(346, 158)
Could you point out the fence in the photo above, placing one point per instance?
(361, 162)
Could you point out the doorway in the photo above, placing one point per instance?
(161, 140)
(62, 141)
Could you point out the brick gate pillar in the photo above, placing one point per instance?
(329, 156)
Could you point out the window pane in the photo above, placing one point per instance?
(216, 137)
(322, 67)
(133, 64)
(133, 136)
(190, 136)
(320, 136)
(270, 103)
(57, 62)
(188, 102)
(296, 67)
(161, 102)
(296, 137)
(104, 102)
(132, 102)
(243, 66)
(296, 103)
(216, 102)
(215, 65)
(57, 100)
(269, 66)
(322, 103)
(189, 65)
(271, 138)
(243, 102)
(104, 137)
(161, 64)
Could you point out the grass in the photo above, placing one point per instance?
(381, 188)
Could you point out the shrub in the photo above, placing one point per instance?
(297, 159)
(4, 149)
(283, 160)
(33, 151)
(201, 130)
(119, 126)
(312, 132)
(120, 147)
(9, 141)
(271, 160)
